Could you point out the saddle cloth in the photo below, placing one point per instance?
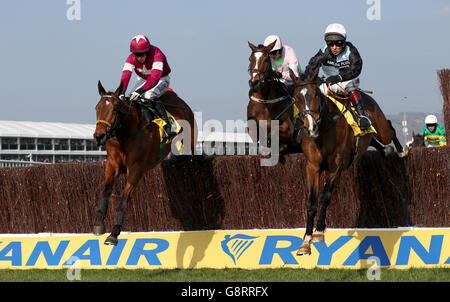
(175, 126)
(350, 119)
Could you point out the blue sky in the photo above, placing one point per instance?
(51, 65)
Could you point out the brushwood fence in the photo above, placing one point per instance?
(230, 192)
(444, 84)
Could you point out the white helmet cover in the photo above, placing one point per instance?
(335, 29)
(431, 119)
(270, 39)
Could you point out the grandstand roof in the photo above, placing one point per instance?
(46, 130)
(85, 131)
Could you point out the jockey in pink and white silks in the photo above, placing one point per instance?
(150, 64)
(283, 59)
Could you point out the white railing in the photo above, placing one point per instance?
(18, 163)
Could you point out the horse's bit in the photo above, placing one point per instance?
(110, 129)
(309, 111)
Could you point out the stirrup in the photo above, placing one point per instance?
(367, 121)
(168, 133)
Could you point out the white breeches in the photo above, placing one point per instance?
(158, 90)
(348, 86)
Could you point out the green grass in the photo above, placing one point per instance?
(227, 275)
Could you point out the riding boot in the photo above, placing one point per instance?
(146, 112)
(364, 120)
(168, 133)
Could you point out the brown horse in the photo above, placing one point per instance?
(329, 145)
(133, 147)
(269, 100)
(417, 141)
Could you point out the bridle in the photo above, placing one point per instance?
(266, 74)
(309, 112)
(112, 128)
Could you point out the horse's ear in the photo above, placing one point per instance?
(101, 90)
(253, 47)
(119, 89)
(413, 134)
(315, 73)
(271, 45)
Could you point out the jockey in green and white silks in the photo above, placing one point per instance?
(433, 133)
(283, 58)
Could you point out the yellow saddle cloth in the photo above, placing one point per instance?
(350, 120)
(175, 126)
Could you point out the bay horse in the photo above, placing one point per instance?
(269, 100)
(417, 141)
(132, 147)
(329, 144)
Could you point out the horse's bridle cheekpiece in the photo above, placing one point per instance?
(110, 129)
(309, 111)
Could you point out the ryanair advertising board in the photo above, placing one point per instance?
(248, 249)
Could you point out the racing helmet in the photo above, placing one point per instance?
(335, 32)
(430, 119)
(270, 39)
(139, 44)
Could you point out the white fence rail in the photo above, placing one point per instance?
(18, 163)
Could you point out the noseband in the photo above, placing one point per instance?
(265, 73)
(309, 111)
(111, 129)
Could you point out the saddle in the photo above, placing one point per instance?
(151, 114)
(351, 116)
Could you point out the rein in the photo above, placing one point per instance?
(271, 101)
(309, 111)
(268, 77)
(111, 129)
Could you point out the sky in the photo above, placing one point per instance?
(54, 52)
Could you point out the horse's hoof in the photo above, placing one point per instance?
(318, 237)
(111, 241)
(304, 250)
(99, 230)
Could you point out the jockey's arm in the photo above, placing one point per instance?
(315, 62)
(127, 71)
(154, 77)
(354, 70)
(292, 63)
(442, 138)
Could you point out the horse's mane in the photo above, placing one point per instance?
(126, 101)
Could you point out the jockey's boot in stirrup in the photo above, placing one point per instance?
(364, 120)
(168, 133)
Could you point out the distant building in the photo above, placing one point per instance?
(30, 143)
(44, 142)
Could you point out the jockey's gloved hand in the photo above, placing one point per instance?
(136, 94)
(122, 97)
(333, 79)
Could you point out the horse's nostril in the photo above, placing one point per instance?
(99, 138)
